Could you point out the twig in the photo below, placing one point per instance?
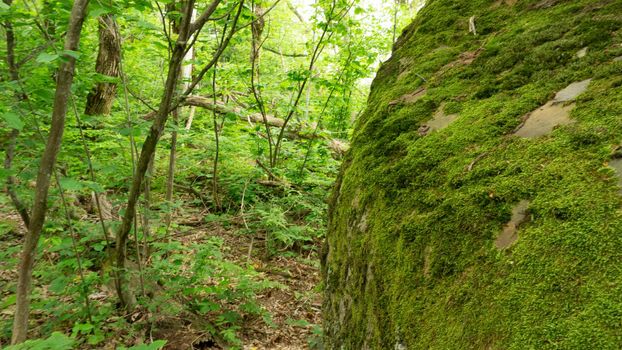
(472, 25)
(285, 54)
(477, 159)
(250, 246)
(191, 190)
(267, 170)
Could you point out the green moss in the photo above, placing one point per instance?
(410, 258)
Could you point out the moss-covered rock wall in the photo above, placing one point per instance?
(452, 225)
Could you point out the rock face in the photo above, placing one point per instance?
(449, 229)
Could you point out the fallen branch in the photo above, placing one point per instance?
(338, 147)
(268, 171)
(193, 192)
(221, 108)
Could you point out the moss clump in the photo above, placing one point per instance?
(410, 260)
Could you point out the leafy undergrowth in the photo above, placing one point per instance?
(201, 291)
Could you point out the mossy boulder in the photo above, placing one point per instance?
(410, 260)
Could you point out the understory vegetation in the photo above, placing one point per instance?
(198, 144)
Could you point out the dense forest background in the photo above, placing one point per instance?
(187, 200)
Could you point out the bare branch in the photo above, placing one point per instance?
(197, 25)
(292, 8)
(285, 54)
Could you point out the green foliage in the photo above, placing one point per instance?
(155, 345)
(56, 341)
(293, 221)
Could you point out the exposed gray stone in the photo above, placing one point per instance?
(616, 164)
(509, 235)
(544, 119)
(571, 91)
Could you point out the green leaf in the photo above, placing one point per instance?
(8, 301)
(99, 247)
(98, 12)
(45, 57)
(13, 120)
(84, 328)
(95, 187)
(57, 341)
(73, 54)
(156, 345)
(126, 132)
(208, 306)
(70, 184)
(95, 339)
(58, 285)
(231, 116)
(297, 323)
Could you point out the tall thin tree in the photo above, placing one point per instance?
(48, 159)
(12, 139)
(168, 103)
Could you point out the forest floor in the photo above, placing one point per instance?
(293, 306)
(295, 310)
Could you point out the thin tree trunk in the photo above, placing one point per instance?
(172, 156)
(100, 99)
(257, 27)
(48, 159)
(186, 76)
(170, 178)
(217, 150)
(12, 139)
(148, 149)
(146, 209)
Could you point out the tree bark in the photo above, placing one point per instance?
(100, 99)
(48, 159)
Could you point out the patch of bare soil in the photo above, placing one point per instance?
(544, 119)
(616, 164)
(464, 59)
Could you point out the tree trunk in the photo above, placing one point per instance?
(147, 150)
(48, 159)
(180, 46)
(12, 139)
(100, 99)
